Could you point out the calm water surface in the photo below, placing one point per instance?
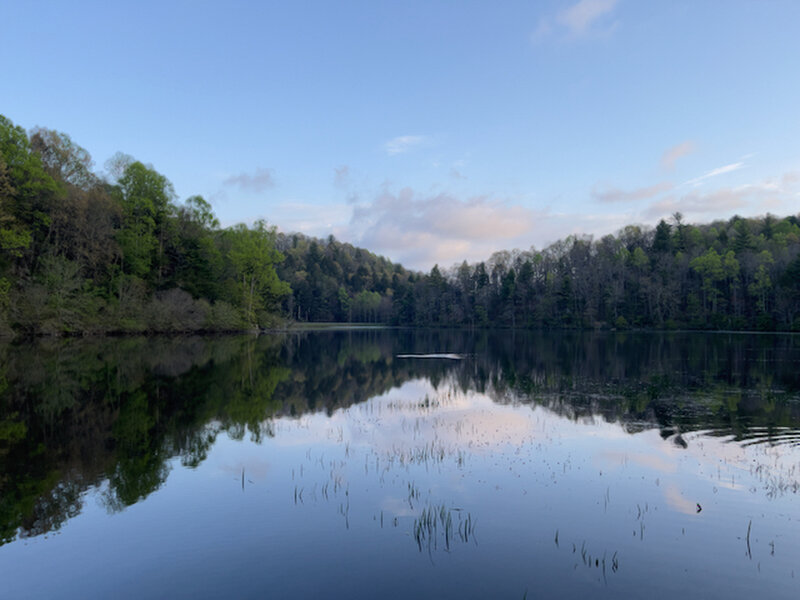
(400, 464)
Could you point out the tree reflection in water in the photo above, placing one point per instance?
(76, 414)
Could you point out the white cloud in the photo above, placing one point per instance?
(419, 231)
(403, 143)
(260, 181)
(580, 17)
(671, 155)
(579, 20)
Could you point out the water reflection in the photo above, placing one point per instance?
(76, 412)
(585, 443)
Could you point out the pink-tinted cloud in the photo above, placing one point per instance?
(421, 230)
(774, 193)
(672, 155)
(613, 194)
(719, 202)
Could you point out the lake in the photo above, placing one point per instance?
(380, 463)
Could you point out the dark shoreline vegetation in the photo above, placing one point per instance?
(77, 412)
(82, 254)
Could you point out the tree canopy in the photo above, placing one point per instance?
(80, 253)
(83, 253)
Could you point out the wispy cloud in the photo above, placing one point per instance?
(580, 19)
(613, 194)
(790, 178)
(403, 143)
(715, 173)
(671, 155)
(776, 193)
(259, 181)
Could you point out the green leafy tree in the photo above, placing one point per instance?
(709, 267)
(194, 261)
(253, 256)
(145, 196)
(63, 159)
(27, 196)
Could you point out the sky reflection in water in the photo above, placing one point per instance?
(438, 491)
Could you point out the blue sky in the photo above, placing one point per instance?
(429, 132)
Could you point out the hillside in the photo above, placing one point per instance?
(81, 253)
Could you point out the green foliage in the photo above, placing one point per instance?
(225, 317)
(14, 241)
(366, 305)
(194, 258)
(253, 257)
(145, 197)
(744, 239)
(639, 259)
(27, 194)
(662, 240)
(80, 254)
(333, 281)
(175, 310)
(63, 159)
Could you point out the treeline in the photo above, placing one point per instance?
(81, 253)
(741, 274)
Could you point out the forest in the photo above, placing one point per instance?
(83, 253)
